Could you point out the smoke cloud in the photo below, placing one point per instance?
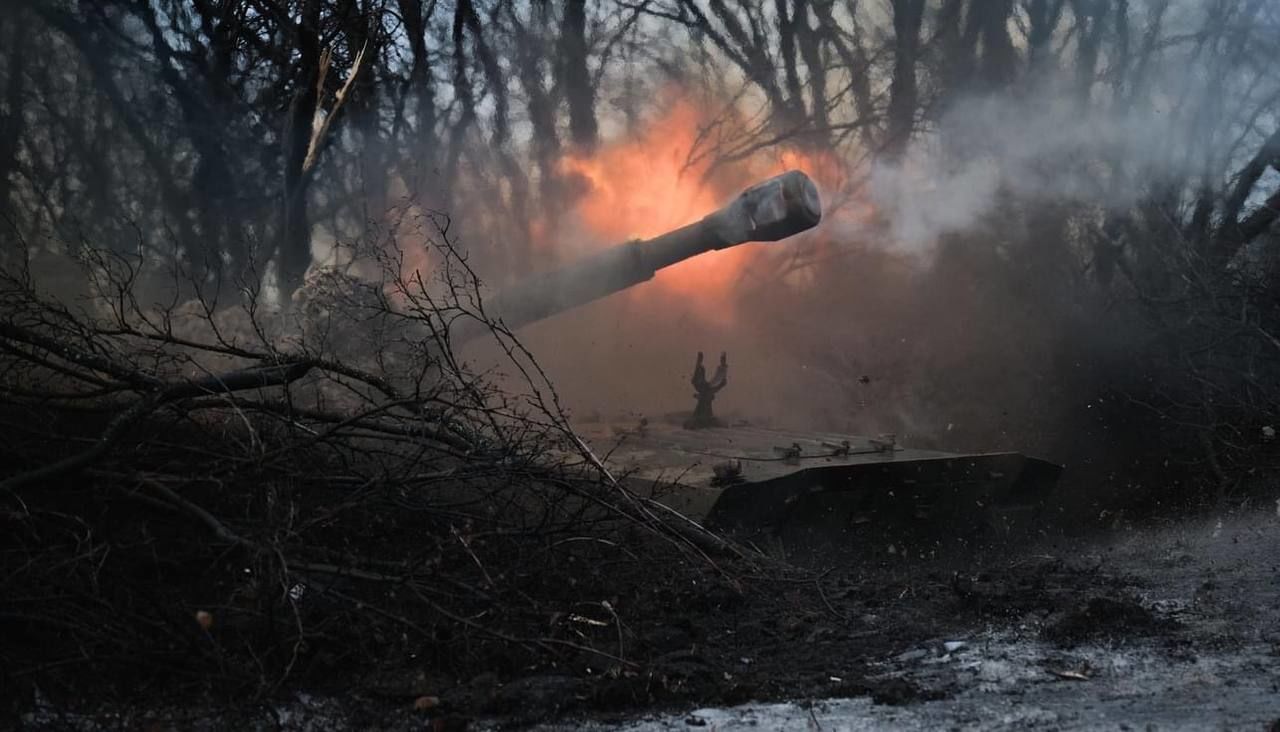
(1046, 146)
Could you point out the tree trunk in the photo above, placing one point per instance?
(421, 86)
(12, 121)
(1043, 17)
(999, 59)
(907, 17)
(295, 231)
(575, 77)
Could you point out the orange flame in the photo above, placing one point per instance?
(659, 180)
(644, 186)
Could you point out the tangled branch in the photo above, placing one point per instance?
(277, 492)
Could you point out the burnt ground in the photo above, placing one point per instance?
(1175, 625)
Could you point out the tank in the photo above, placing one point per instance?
(797, 491)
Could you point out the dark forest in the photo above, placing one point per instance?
(246, 451)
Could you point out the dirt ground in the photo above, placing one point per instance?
(1170, 626)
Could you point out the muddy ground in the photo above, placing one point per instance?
(1171, 625)
(1168, 627)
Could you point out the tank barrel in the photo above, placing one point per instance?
(774, 209)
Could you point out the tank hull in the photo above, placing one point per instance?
(822, 491)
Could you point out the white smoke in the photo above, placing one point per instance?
(1046, 146)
